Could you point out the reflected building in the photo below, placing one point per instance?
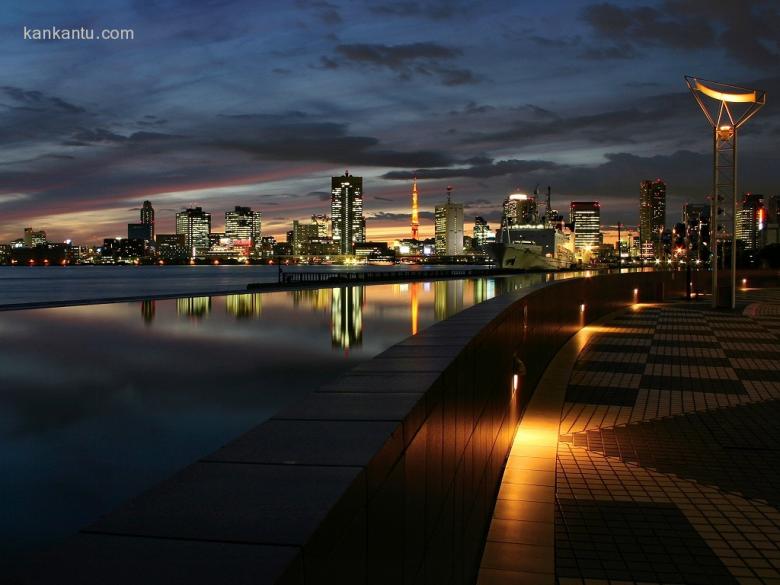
(484, 290)
(148, 310)
(318, 299)
(244, 306)
(346, 317)
(197, 307)
(447, 298)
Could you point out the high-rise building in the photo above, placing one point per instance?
(771, 232)
(147, 218)
(585, 216)
(140, 231)
(34, 238)
(195, 225)
(172, 247)
(519, 209)
(243, 226)
(322, 222)
(449, 227)
(302, 235)
(652, 216)
(482, 233)
(696, 220)
(751, 218)
(346, 211)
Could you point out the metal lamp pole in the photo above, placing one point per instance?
(722, 113)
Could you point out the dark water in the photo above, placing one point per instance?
(99, 402)
(24, 284)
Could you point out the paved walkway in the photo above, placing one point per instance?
(652, 454)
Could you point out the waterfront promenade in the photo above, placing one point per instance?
(650, 453)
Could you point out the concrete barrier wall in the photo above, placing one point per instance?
(386, 475)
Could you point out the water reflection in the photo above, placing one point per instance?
(195, 307)
(174, 409)
(448, 298)
(245, 306)
(315, 299)
(346, 317)
(147, 311)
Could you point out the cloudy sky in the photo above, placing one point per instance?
(238, 102)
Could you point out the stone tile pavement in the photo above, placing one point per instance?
(667, 466)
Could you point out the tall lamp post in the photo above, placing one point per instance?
(728, 108)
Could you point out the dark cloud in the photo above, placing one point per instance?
(39, 101)
(472, 108)
(406, 60)
(434, 10)
(326, 12)
(484, 170)
(621, 51)
(747, 30)
(328, 143)
(554, 42)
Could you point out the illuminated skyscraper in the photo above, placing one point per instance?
(34, 238)
(449, 227)
(346, 211)
(519, 209)
(652, 216)
(482, 232)
(586, 218)
(147, 218)
(243, 226)
(195, 225)
(321, 221)
(751, 219)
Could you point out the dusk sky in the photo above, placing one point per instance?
(235, 102)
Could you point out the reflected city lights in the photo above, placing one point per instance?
(245, 306)
(197, 307)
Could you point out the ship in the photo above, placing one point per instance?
(532, 246)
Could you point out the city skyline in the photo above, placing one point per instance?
(489, 99)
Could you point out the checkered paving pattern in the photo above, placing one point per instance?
(668, 466)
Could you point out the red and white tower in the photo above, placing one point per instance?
(415, 211)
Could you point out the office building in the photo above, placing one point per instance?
(301, 237)
(448, 218)
(172, 247)
(140, 231)
(652, 216)
(323, 224)
(346, 211)
(585, 216)
(147, 218)
(519, 209)
(482, 233)
(243, 227)
(751, 220)
(34, 238)
(195, 225)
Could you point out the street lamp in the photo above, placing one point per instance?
(722, 111)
